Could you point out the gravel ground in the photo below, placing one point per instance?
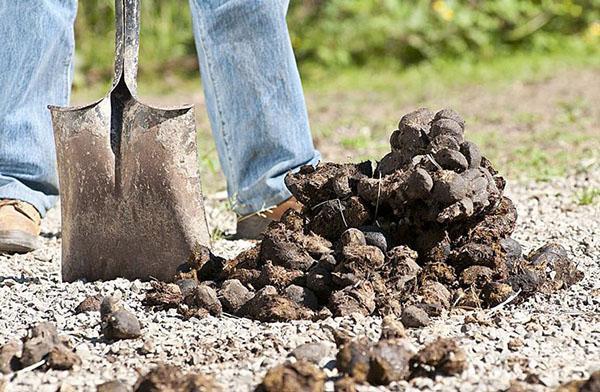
(560, 334)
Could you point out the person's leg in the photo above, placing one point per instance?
(36, 45)
(254, 97)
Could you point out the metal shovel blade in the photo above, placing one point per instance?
(131, 197)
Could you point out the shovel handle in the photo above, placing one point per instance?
(127, 42)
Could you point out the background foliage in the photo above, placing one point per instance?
(333, 33)
(355, 32)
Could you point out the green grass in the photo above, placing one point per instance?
(588, 196)
(444, 74)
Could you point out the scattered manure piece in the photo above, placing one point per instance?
(379, 363)
(302, 296)
(121, 324)
(42, 343)
(415, 317)
(299, 376)
(40, 340)
(394, 358)
(205, 297)
(113, 386)
(391, 328)
(353, 299)
(313, 185)
(62, 358)
(353, 359)
(277, 276)
(89, 304)
(592, 384)
(165, 295)
(233, 295)
(443, 356)
(9, 356)
(389, 361)
(117, 322)
(345, 384)
(172, 379)
(268, 305)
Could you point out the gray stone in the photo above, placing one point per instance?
(312, 352)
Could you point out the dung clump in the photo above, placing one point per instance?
(379, 363)
(171, 378)
(42, 343)
(291, 377)
(40, 340)
(89, 304)
(112, 386)
(592, 384)
(389, 361)
(361, 361)
(117, 322)
(268, 305)
(443, 356)
(165, 295)
(10, 353)
(426, 228)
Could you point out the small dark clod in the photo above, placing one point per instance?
(451, 160)
(471, 153)
(89, 304)
(446, 126)
(419, 184)
(450, 114)
(415, 317)
(443, 356)
(121, 324)
(352, 236)
(297, 376)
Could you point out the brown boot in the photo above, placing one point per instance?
(251, 227)
(19, 226)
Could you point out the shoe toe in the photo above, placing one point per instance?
(16, 241)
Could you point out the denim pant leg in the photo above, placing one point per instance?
(254, 97)
(36, 48)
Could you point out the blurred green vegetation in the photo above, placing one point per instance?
(346, 32)
(330, 34)
(588, 196)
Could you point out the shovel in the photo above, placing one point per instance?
(129, 179)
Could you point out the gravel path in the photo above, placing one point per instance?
(560, 334)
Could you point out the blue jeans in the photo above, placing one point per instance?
(251, 83)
